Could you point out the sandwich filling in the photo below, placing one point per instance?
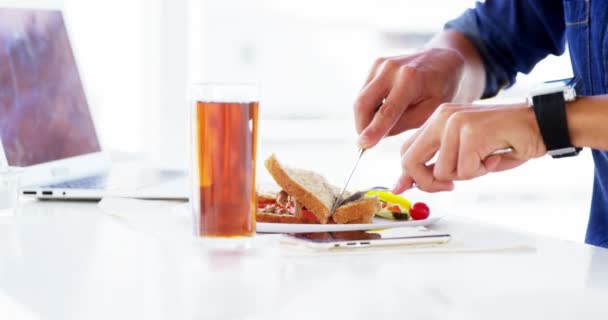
(307, 197)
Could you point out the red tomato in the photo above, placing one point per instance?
(308, 216)
(419, 211)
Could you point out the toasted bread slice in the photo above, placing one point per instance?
(365, 220)
(311, 189)
(360, 211)
(281, 218)
(290, 218)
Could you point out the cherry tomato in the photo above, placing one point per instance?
(419, 211)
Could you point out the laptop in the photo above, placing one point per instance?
(46, 126)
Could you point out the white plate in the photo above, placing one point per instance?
(379, 223)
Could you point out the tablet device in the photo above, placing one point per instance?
(365, 238)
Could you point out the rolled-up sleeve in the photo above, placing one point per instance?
(512, 36)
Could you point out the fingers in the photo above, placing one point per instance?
(464, 139)
(371, 97)
(447, 160)
(401, 95)
(389, 90)
(404, 183)
(492, 162)
(412, 138)
(459, 156)
(427, 78)
(414, 160)
(422, 176)
(373, 71)
(470, 161)
(415, 116)
(504, 162)
(442, 134)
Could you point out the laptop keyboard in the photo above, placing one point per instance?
(92, 182)
(127, 180)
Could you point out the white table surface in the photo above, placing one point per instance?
(68, 260)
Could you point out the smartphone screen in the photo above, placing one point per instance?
(367, 235)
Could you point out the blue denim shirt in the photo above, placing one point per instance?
(513, 35)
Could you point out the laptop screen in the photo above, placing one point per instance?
(44, 114)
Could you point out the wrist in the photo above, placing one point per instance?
(587, 118)
(473, 78)
(537, 147)
(575, 118)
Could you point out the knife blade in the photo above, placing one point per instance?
(339, 198)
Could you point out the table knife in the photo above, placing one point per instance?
(339, 198)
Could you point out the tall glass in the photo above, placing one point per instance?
(224, 142)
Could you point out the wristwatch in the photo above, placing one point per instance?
(549, 104)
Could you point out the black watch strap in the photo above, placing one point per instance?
(550, 111)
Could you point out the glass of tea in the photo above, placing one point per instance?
(224, 141)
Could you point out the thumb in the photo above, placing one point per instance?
(492, 162)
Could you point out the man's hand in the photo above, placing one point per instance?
(402, 92)
(464, 138)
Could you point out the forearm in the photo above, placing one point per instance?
(588, 122)
(473, 80)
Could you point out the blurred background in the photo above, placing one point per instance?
(310, 58)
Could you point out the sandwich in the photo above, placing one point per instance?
(307, 197)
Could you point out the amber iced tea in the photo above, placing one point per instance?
(224, 198)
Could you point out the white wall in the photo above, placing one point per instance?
(310, 57)
(118, 62)
(137, 58)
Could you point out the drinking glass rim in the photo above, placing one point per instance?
(226, 92)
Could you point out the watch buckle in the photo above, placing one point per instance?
(563, 152)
